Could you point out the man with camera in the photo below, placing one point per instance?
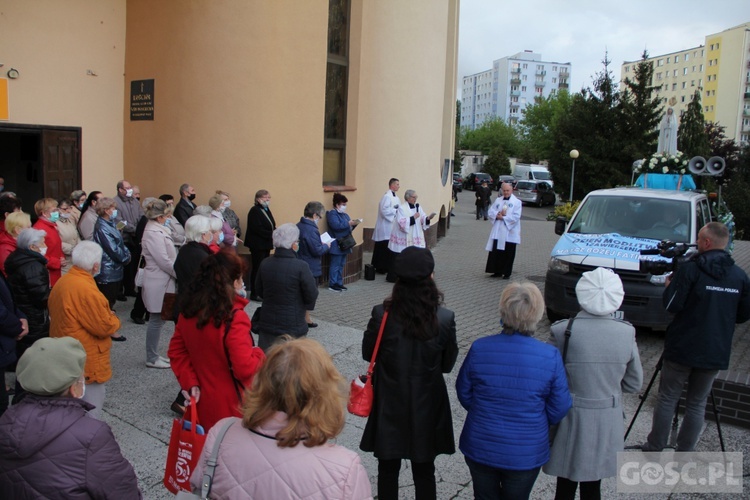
(708, 295)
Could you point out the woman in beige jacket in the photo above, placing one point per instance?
(157, 249)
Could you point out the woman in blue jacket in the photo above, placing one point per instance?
(339, 226)
(513, 387)
(311, 249)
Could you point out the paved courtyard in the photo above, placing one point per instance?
(138, 399)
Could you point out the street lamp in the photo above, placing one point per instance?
(573, 156)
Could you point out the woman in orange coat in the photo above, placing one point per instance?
(78, 309)
(212, 352)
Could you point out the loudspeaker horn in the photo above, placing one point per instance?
(697, 165)
(715, 165)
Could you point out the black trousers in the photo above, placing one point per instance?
(139, 308)
(256, 257)
(501, 261)
(130, 269)
(381, 256)
(110, 291)
(423, 474)
(566, 489)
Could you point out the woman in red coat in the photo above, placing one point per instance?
(46, 210)
(212, 352)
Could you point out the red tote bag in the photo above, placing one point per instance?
(185, 447)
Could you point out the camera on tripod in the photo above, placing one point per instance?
(678, 252)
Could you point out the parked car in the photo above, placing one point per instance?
(505, 178)
(475, 179)
(535, 192)
(458, 182)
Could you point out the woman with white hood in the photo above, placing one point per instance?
(601, 360)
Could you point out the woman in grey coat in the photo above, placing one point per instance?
(601, 362)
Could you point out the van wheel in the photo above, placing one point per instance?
(553, 316)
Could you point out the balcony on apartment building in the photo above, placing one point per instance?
(539, 83)
(540, 72)
(747, 95)
(563, 85)
(515, 70)
(515, 81)
(515, 93)
(514, 105)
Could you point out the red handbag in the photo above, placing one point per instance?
(360, 390)
(185, 447)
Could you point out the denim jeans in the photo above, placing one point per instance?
(491, 483)
(673, 378)
(336, 270)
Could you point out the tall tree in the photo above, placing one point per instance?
(641, 111)
(540, 122)
(492, 134)
(457, 158)
(691, 135)
(497, 163)
(593, 126)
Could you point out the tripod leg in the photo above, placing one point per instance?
(657, 369)
(673, 432)
(718, 423)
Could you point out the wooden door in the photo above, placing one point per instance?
(61, 162)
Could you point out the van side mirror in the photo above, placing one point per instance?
(560, 224)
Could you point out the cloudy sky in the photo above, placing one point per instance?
(580, 31)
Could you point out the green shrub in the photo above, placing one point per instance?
(567, 210)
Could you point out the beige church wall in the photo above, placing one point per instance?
(401, 87)
(239, 101)
(70, 56)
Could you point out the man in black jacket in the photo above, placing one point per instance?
(708, 295)
(184, 209)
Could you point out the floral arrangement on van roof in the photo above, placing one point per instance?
(664, 164)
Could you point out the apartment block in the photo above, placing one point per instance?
(720, 69)
(506, 89)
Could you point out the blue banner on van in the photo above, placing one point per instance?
(610, 245)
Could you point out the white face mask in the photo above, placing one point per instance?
(316, 221)
(43, 251)
(227, 203)
(341, 209)
(83, 392)
(129, 193)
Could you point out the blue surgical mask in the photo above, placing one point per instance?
(114, 213)
(54, 216)
(221, 238)
(168, 222)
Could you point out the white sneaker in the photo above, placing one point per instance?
(158, 364)
(166, 360)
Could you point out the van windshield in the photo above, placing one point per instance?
(655, 219)
(541, 175)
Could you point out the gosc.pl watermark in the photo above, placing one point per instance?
(683, 472)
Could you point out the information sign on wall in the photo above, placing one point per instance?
(142, 100)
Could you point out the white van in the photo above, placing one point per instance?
(524, 172)
(609, 229)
